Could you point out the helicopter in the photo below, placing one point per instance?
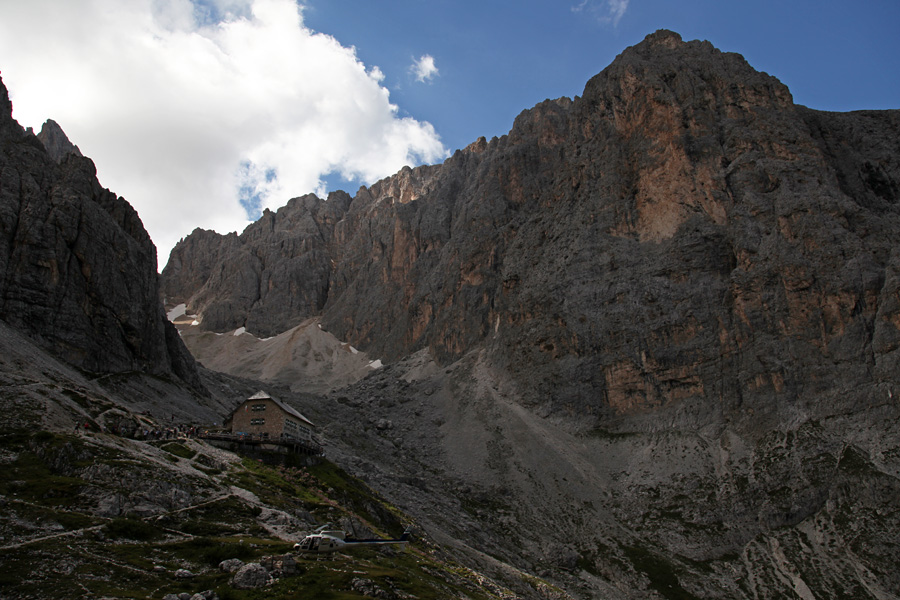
(326, 540)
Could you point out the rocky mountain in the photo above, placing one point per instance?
(79, 272)
(679, 237)
(645, 345)
(122, 507)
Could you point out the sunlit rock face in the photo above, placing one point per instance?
(681, 236)
(77, 269)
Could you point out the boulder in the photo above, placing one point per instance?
(251, 576)
(231, 565)
(280, 565)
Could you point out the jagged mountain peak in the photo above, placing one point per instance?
(612, 243)
(56, 142)
(78, 268)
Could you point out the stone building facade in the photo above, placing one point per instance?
(266, 417)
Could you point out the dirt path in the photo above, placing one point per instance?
(278, 527)
(76, 532)
(44, 538)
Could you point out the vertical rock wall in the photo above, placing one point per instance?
(77, 269)
(682, 237)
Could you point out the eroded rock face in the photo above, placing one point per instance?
(290, 264)
(78, 269)
(270, 278)
(681, 237)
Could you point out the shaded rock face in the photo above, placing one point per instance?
(681, 238)
(77, 269)
(270, 278)
(809, 505)
(282, 269)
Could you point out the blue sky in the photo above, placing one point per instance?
(202, 112)
(497, 58)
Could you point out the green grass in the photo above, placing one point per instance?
(325, 490)
(210, 551)
(34, 513)
(179, 450)
(118, 559)
(605, 434)
(206, 464)
(356, 496)
(131, 528)
(30, 478)
(224, 517)
(271, 485)
(125, 570)
(269, 477)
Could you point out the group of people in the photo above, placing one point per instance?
(169, 433)
(130, 429)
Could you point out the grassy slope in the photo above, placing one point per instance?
(57, 543)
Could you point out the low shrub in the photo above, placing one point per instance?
(131, 528)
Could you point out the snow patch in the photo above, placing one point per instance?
(352, 349)
(240, 331)
(375, 364)
(176, 312)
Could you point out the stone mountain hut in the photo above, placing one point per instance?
(264, 417)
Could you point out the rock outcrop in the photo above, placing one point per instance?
(78, 269)
(56, 142)
(277, 272)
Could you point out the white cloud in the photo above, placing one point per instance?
(605, 11)
(424, 68)
(196, 111)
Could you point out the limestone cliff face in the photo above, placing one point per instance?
(270, 278)
(77, 269)
(696, 235)
(680, 238)
(288, 265)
